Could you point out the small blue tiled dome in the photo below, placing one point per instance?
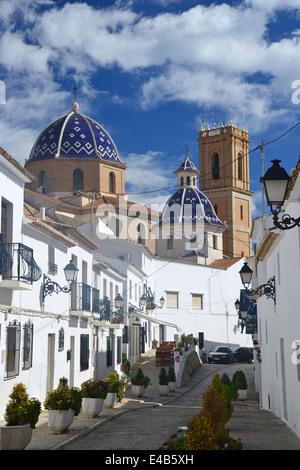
(184, 206)
(186, 165)
(74, 135)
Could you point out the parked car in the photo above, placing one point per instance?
(243, 355)
(221, 354)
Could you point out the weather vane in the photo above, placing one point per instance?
(187, 151)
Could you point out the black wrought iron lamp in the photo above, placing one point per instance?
(147, 300)
(50, 287)
(276, 181)
(242, 313)
(267, 289)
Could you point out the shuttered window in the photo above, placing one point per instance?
(197, 301)
(172, 299)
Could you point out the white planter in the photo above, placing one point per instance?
(172, 386)
(242, 394)
(91, 407)
(110, 400)
(15, 437)
(163, 389)
(60, 421)
(138, 390)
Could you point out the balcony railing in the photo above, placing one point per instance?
(18, 263)
(87, 298)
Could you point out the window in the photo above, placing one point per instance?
(84, 352)
(240, 167)
(52, 266)
(241, 212)
(197, 301)
(61, 339)
(140, 234)
(78, 179)
(170, 242)
(112, 179)
(119, 350)
(215, 240)
(13, 333)
(188, 180)
(215, 167)
(42, 179)
(27, 345)
(181, 181)
(109, 351)
(172, 299)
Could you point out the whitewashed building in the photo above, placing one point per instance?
(46, 333)
(278, 254)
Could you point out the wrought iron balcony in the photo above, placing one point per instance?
(18, 264)
(86, 300)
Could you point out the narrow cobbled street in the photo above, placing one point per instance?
(147, 423)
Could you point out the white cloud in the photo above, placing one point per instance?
(206, 55)
(148, 174)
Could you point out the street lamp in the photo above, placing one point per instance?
(119, 302)
(276, 181)
(50, 286)
(267, 289)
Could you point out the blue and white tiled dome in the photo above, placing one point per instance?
(74, 135)
(186, 203)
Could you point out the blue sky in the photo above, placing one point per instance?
(149, 72)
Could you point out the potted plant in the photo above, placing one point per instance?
(62, 404)
(94, 392)
(139, 383)
(21, 415)
(172, 379)
(154, 343)
(240, 384)
(116, 388)
(125, 364)
(163, 382)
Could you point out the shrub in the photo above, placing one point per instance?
(225, 392)
(140, 379)
(94, 388)
(171, 374)
(64, 398)
(21, 409)
(163, 377)
(239, 380)
(207, 430)
(116, 384)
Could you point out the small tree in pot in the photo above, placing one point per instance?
(163, 382)
(139, 383)
(172, 379)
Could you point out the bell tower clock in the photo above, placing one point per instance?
(224, 178)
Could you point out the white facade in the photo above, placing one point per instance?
(278, 373)
(44, 339)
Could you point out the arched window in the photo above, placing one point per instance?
(140, 234)
(215, 170)
(188, 180)
(112, 188)
(240, 167)
(42, 179)
(78, 179)
(181, 181)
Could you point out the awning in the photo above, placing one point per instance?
(141, 314)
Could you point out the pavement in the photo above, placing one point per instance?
(146, 423)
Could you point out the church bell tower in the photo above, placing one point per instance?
(224, 178)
